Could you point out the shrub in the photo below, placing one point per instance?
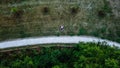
(104, 10)
(45, 10)
(74, 10)
(82, 55)
(16, 13)
(101, 13)
(82, 31)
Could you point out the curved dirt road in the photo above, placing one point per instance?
(53, 39)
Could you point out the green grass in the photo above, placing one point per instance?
(85, 21)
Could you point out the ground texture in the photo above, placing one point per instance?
(26, 18)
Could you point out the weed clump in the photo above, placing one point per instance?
(16, 13)
(74, 10)
(45, 10)
(101, 13)
(106, 9)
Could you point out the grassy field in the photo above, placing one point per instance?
(26, 18)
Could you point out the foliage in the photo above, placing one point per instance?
(23, 34)
(111, 63)
(14, 9)
(87, 55)
(16, 12)
(82, 31)
(105, 9)
(74, 9)
(11, 1)
(46, 10)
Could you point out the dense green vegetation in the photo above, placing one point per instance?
(89, 55)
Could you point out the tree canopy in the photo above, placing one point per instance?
(82, 55)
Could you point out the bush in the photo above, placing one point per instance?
(83, 55)
(45, 10)
(16, 12)
(104, 10)
(74, 10)
(82, 31)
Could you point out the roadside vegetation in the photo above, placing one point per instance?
(79, 17)
(82, 55)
